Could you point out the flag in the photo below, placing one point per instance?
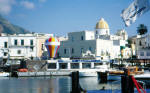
(135, 10)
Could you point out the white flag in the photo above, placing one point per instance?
(135, 10)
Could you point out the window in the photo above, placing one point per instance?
(63, 65)
(82, 38)
(106, 32)
(31, 49)
(15, 42)
(90, 48)
(74, 65)
(31, 42)
(134, 42)
(140, 43)
(5, 53)
(19, 52)
(52, 66)
(96, 32)
(72, 39)
(42, 48)
(86, 65)
(81, 50)
(148, 53)
(65, 51)
(5, 45)
(22, 42)
(102, 53)
(72, 51)
(141, 53)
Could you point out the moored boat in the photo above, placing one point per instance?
(145, 75)
(85, 67)
(4, 74)
(66, 67)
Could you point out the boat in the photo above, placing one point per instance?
(145, 75)
(66, 67)
(85, 67)
(88, 73)
(4, 74)
(93, 71)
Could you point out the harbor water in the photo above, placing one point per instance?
(58, 84)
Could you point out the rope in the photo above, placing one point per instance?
(138, 85)
(141, 87)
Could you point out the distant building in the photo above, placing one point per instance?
(95, 44)
(143, 47)
(22, 46)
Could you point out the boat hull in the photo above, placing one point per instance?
(4, 74)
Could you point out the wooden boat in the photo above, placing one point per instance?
(116, 72)
(134, 70)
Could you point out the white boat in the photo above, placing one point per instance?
(85, 67)
(4, 74)
(66, 67)
(145, 75)
(93, 72)
(88, 73)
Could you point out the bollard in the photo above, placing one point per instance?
(75, 82)
(14, 74)
(102, 76)
(76, 88)
(127, 85)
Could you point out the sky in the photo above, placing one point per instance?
(60, 17)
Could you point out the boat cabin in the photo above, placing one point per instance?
(72, 64)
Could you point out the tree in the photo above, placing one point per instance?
(142, 29)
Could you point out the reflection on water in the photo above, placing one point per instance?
(50, 84)
(35, 85)
(92, 83)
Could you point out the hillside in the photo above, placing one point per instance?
(7, 27)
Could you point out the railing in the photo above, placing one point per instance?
(138, 86)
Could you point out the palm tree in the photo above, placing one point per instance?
(142, 29)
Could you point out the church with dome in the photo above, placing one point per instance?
(98, 44)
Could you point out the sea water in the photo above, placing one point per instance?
(55, 84)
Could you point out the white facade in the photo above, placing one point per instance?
(81, 44)
(94, 44)
(22, 46)
(143, 47)
(143, 54)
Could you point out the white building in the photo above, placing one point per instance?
(22, 46)
(143, 47)
(94, 44)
